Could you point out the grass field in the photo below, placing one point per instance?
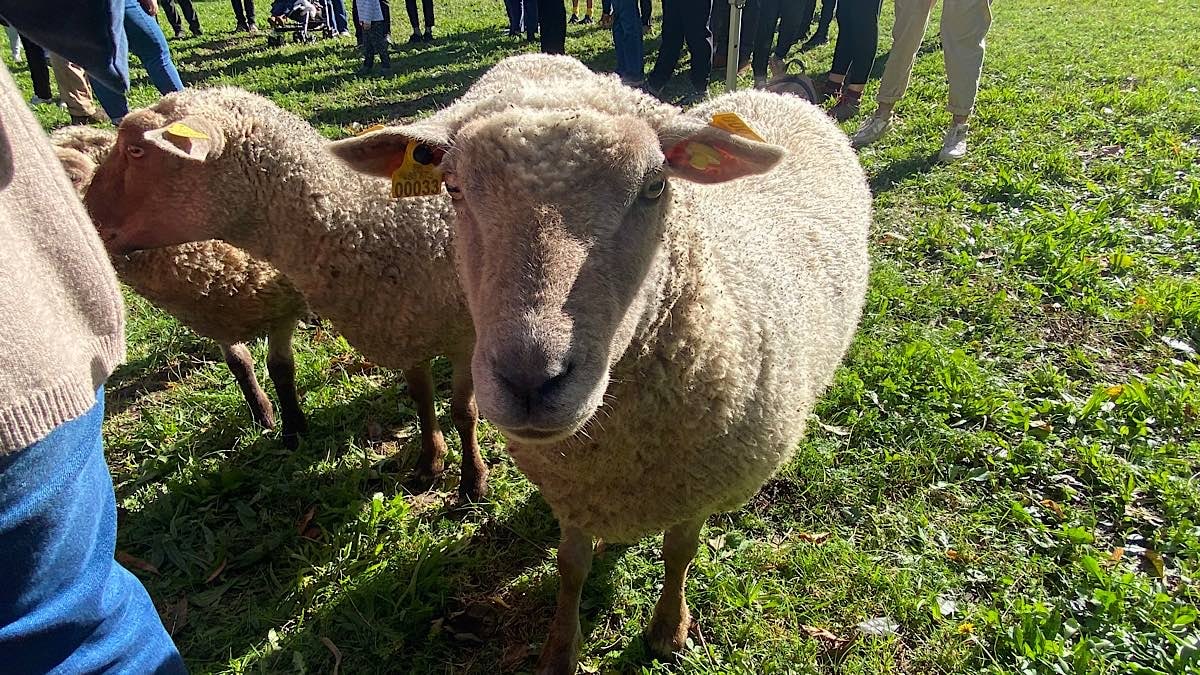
(1003, 479)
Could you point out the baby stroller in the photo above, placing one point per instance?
(301, 18)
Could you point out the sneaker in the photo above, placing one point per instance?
(179, 34)
(36, 100)
(871, 130)
(954, 145)
(777, 67)
(573, 19)
(606, 20)
(241, 28)
(428, 37)
(254, 29)
(587, 20)
(760, 82)
(414, 38)
(196, 31)
(847, 105)
(830, 91)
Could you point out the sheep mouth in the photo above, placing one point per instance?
(538, 436)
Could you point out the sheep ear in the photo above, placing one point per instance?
(705, 153)
(193, 138)
(380, 152)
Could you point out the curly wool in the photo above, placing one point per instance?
(756, 294)
(215, 289)
(377, 267)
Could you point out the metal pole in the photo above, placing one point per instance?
(735, 43)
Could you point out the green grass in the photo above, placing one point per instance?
(1006, 465)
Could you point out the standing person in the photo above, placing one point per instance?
(529, 19)
(853, 55)
(552, 17)
(374, 37)
(415, 20)
(189, 13)
(965, 24)
(684, 21)
(244, 11)
(74, 91)
(385, 8)
(514, 10)
(806, 16)
(786, 15)
(627, 39)
(147, 42)
(587, 18)
(65, 605)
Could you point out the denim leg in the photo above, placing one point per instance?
(147, 42)
(529, 19)
(65, 605)
(339, 16)
(627, 38)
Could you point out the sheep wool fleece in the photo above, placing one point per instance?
(61, 314)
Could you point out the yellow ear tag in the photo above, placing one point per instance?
(418, 175)
(729, 121)
(373, 127)
(184, 131)
(702, 156)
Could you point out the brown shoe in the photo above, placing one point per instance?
(830, 91)
(847, 105)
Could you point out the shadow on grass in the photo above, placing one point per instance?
(900, 171)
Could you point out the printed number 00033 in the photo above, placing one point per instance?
(419, 187)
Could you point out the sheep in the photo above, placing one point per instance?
(249, 173)
(213, 288)
(657, 301)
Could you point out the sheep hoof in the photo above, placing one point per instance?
(667, 638)
(558, 658)
(473, 491)
(291, 441)
(424, 478)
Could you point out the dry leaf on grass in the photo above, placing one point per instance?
(174, 616)
(302, 524)
(134, 562)
(815, 538)
(1055, 507)
(217, 572)
(836, 431)
(827, 638)
(1116, 555)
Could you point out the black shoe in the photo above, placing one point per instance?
(414, 38)
(196, 32)
(573, 19)
(428, 37)
(531, 37)
(814, 42)
(178, 34)
(586, 20)
(241, 28)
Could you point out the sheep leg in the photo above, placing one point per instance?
(473, 486)
(241, 364)
(669, 626)
(560, 653)
(433, 446)
(281, 365)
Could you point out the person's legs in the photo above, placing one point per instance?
(791, 25)
(147, 42)
(673, 18)
(341, 22)
(250, 21)
(168, 8)
(627, 38)
(73, 87)
(379, 33)
(513, 9)
(65, 604)
(427, 10)
(861, 22)
(768, 20)
(647, 9)
(965, 25)
(828, 7)
(912, 17)
(39, 72)
(414, 19)
(749, 29)
(529, 19)
(699, 41)
(552, 15)
(189, 14)
(239, 14)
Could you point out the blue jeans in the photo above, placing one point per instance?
(147, 42)
(66, 606)
(339, 16)
(627, 38)
(529, 18)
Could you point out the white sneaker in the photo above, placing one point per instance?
(871, 130)
(954, 146)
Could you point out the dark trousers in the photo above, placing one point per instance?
(786, 15)
(685, 21)
(646, 10)
(189, 13)
(39, 71)
(808, 8)
(414, 19)
(514, 10)
(552, 15)
(387, 18)
(244, 11)
(857, 40)
(374, 43)
(719, 24)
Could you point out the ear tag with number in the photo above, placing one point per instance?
(184, 131)
(418, 175)
(729, 121)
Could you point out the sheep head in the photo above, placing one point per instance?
(560, 217)
(150, 191)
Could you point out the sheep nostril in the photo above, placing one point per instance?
(555, 383)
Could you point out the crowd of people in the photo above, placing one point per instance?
(771, 29)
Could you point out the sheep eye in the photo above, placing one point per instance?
(135, 151)
(654, 189)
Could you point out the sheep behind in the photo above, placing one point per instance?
(218, 291)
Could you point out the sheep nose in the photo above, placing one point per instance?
(530, 376)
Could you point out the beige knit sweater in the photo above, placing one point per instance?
(61, 315)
